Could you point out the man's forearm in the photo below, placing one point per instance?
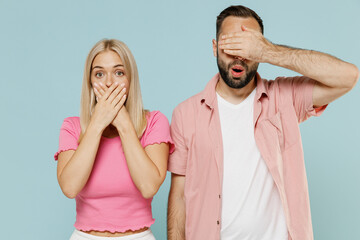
(250, 44)
(321, 67)
(176, 217)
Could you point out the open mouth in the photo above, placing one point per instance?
(237, 70)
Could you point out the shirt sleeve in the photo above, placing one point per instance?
(158, 131)
(68, 139)
(178, 159)
(301, 88)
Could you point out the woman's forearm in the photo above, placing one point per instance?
(144, 172)
(79, 164)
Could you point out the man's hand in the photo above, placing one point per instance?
(248, 44)
(176, 209)
(334, 77)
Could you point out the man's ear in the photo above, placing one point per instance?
(214, 43)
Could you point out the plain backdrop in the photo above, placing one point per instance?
(42, 54)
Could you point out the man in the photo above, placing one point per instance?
(238, 169)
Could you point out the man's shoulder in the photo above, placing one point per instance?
(281, 84)
(190, 104)
(283, 81)
(269, 83)
(194, 102)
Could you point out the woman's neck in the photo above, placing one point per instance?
(110, 132)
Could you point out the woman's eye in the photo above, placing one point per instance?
(119, 73)
(99, 74)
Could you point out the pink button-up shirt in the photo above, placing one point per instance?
(280, 105)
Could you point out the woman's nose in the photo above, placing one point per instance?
(109, 81)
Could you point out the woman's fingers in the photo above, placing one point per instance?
(109, 90)
(115, 93)
(121, 102)
(119, 97)
(97, 94)
(102, 89)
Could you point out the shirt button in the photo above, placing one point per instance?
(219, 196)
(218, 222)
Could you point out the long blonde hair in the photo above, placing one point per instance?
(134, 104)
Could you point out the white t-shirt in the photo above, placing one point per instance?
(251, 205)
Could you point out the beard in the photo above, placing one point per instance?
(239, 82)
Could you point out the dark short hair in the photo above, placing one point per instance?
(237, 11)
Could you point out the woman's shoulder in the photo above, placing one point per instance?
(157, 129)
(155, 116)
(72, 119)
(72, 123)
(156, 121)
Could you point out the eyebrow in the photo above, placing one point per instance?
(119, 65)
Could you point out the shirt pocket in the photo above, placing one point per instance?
(287, 126)
(276, 122)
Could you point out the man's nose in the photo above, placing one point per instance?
(239, 58)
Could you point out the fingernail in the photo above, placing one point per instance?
(116, 83)
(124, 89)
(223, 37)
(123, 84)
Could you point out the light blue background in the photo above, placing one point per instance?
(42, 53)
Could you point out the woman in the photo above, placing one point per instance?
(113, 158)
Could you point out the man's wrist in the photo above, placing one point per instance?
(271, 53)
(285, 56)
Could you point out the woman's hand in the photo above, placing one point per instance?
(109, 103)
(122, 116)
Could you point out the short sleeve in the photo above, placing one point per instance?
(69, 135)
(158, 131)
(302, 94)
(178, 159)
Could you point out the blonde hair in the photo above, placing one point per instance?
(134, 104)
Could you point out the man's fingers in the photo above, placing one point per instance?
(229, 35)
(231, 40)
(238, 34)
(232, 52)
(246, 29)
(231, 46)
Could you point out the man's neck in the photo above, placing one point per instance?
(235, 95)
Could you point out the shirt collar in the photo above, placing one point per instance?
(208, 95)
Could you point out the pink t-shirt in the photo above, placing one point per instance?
(110, 201)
